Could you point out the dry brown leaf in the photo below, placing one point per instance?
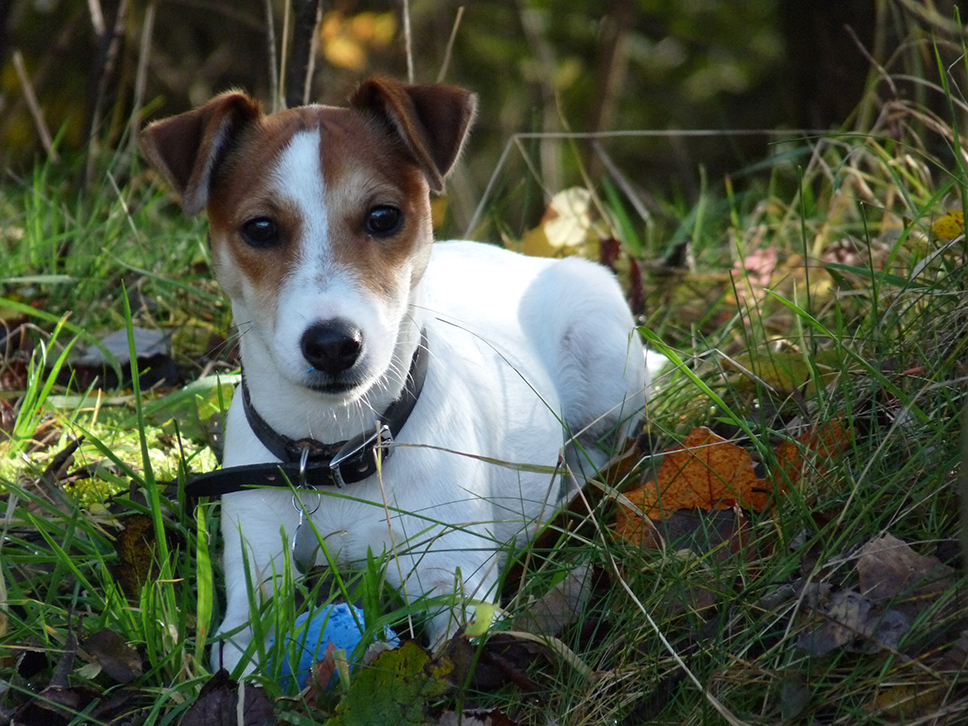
(135, 545)
(117, 659)
(323, 672)
(845, 619)
(887, 567)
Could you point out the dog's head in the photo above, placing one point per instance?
(319, 218)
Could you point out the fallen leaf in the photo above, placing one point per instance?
(345, 52)
(567, 220)
(950, 224)
(147, 344)
(322, 673)
(397, 689)
(480, 622)
(706, 472)
(218, 704)
(794, 698)
(565, 226)
(135, 545)
(848, 620)
(709, 473)
(60, 701)
(377, 29)
(500, 661)
(956, 655)
(888, 567)
(116, 658)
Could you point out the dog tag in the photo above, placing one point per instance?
(305, 545)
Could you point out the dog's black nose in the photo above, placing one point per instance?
(332, 347)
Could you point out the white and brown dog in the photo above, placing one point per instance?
(423, 380)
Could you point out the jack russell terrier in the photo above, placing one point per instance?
(424, 391)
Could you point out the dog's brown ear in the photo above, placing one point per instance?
(186, 148)
(432, 121)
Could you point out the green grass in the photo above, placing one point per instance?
(705, 629)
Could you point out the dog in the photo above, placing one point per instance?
(434, 388)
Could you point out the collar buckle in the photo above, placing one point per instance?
(360, 452)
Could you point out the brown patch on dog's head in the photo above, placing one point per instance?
(395, 144)
(244, 190)
(363, 169)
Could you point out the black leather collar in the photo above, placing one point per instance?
(324, 465)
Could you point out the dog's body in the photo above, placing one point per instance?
(320, 230)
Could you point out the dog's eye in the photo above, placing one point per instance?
(260, 232)
(383, 221)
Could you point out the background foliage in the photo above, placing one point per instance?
(538, 65)
(810, 289)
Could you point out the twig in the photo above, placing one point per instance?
(516, 139)
(307, 14)
(141, 79)
(873, 61)
(622, 181)
(97, 17)
(111, 45)
(271, 36)
(408, 40)
(313, 49)
(35, 111)
(450, 45)
(280, 103)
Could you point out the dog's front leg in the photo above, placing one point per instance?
(252, 532)
(459, 568)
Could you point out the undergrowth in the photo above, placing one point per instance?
(816, 290)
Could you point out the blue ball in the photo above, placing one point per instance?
(311, 636)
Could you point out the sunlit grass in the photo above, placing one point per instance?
(809, 290)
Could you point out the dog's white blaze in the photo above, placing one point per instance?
(318, 289)
(299, 179)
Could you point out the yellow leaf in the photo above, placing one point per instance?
(377, 29)
(484, 613)
(950, 224)
(332, 23)
(384, 28)
(344, 52)
(535, 243)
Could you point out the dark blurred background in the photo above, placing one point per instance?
(100, 68)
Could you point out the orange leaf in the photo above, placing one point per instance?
(706, 472)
